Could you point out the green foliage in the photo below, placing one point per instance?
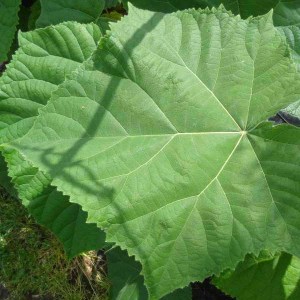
(129, 284)
(243, 8)
(294, 109)
(57, 11)
(111, 3)
(5, 180)
(8, 22)
(160, 139)
(286, 13)
(48, 206)
(263, 278)
(188, 172)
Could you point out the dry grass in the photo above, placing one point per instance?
(32, 261)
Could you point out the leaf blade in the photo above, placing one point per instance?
(172, 179)
(9, 19)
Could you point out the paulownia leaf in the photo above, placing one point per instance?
(35, 12)
(263, 278)
(294, 110)
(126, 281)
(5, 181)
(111, 3)
(45, 58)
(8, 22)
(287, 18)
(292, 34)
(57, 11)
(245, 8)
(286, 13)
(42, 62)
(52, 209)
(159, 140)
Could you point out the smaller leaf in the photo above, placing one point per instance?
(263, 278)
(57, 11)
(293, 110)
(35, 11)
(5, 181)
(111, 3)
(8, 22)
(51, 208)
(127, 283)
(124, 273)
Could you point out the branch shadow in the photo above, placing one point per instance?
(99, 190)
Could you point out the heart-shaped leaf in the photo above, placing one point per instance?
(162, 140)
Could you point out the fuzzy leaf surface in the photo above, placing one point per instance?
(286, 13)
(161, 142)
(8, 22)
(51, 208)
(263, 278)
(44, 59)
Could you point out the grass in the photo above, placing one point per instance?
(33, 262)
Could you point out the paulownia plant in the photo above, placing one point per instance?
(263, 277)
(23, 92)
(286, 15)
(161, 137)
(8, 23)
(165, 144)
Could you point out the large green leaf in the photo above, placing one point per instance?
(45, 58)
(263, 278)
(126, 281)
(286, 13)
(158, 140)
(57, 11)
(41, 63)
(8, 22)
(52, 209)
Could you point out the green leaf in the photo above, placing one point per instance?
(124, 274)
(111, 3)
(52, 209)
(159, 140)
(5, 180)
(245, 8)
(127, 283)
(286, 14)
(45, 58)
(8, 23)
(294, 110)
(292, 35)
(41, 63)
(35, 11)
(57, 11)
(263, 278)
